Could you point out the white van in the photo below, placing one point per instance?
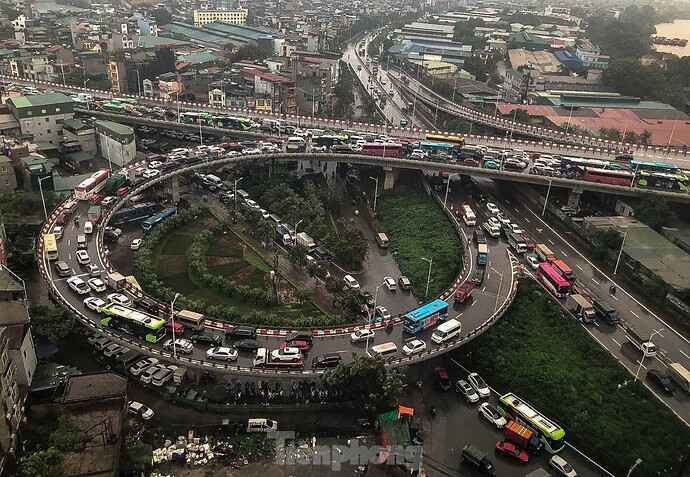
(447, 331)
(215, 180)
(88, 227)
(261, 425)
(242, 194)
(382, 240)
(386, 350)
(296, 144)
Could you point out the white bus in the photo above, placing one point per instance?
(447, 331)
(468, 215)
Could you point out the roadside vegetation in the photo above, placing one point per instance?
(416, 228)
(539, 352)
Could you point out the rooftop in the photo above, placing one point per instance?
(20, 102)
(76, 125)
(152, 41)
(99, 386)
(117, 128)
(7, 282)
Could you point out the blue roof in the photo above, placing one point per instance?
(569, 61)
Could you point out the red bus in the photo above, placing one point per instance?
(608, 176)
(555, 283)
(563, 270)
(91, 185)
(390, 149)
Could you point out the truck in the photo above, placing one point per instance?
(283, 236)
(114, 182)
(517, 242)
(476, 456)
(179, 375)
(127, 359)
(94, 213)
(679, 375)
(606, 311)
(482, 254)
(464, 291)
(262, 359)
(468, 215)
(492, 229)
(579, 306)
(306, 241)
(641, 341)
(544, 253)
(116, 281)
(524, 437)
(382, 240)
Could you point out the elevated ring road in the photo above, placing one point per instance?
(487, 306)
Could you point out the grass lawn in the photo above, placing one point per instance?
(541, 354)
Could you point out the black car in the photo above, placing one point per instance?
(301, 336)
(479, 236)
(240, 332)
(478, 276)
(662, 381)
(212, 339)
(327, 360)
(109, 237)
(148, 305)
(247, 345)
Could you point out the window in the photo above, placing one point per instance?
(4, 168)
(7, 182)
(43, 111)
(48, 131)
(48, 119)
(57, 110)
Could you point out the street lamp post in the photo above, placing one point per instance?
(86, 80)
(236, 181)
(172, 323)
(43, 200)
(620, 253)
(655, 332)
(445, 199)
(296, 225)
(637, 462)
(177, 96)
(376, 190)
(500, 285)
(428, 277)
(376, 294)
(546, 200)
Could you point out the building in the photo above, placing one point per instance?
(3, 245)
(36, 170)
(202, 17)
(591, 56)
(11, 401)
(41, 116)
(116, 142)
(527, 41)
(78, 136)
(8, 180)
(127, 71)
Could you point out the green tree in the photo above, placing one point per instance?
(137, 459)
(476, 67)
(645, 138)
(302, 294)
(654, 212)
(520, 115)
(52, 323)
(372, 385)
(47, 463)
(66, 435)
(162, 16)
(344, 94)
(265, 231)
(631, 138)
(610, 133)
(350, 247)
(351, 302)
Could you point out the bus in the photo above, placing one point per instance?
(579, 164)
(518, 410)
(606, 176)
(93, 184)
(130, 101)
(544, 253)
(195, 118)
(134, 322)
(555, 283)
(231, 122)
(50, 247)
(563, 270)
(114, 108)
(663, 180)
(388, 149)
(191, 320)
(639, 166)
(456, 141)
(425, 317)
(136, 212)
(329, 140)
(437, 148)
(149, 224)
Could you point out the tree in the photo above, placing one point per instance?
(350, 247)
(162, 16)
(351, 302)
(372, 385)
(265, 231)
(520, 115)
(645, 138)
(610, 133)
(654, 212)
(47, 463)
(631, 138)
(302, 294)
(476, 67)
(52, 323)
(66, 435)
(137, 459)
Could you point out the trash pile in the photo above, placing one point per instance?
(198, 451)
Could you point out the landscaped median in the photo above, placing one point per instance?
(541, 354)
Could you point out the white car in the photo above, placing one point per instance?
(466, 389)
(502, 219)
(234, 153)
(147, 375)
(494, 222)
(155, 164)
(88, 227)
(418, 154)
(58, 231)
(108, 201)
(138, 409)
(83, 257)
(492, 415)
(350, 282)
(288, 353)
(142, 365)
(532, 261)
(112, 349)
(561, 466)
(390, 283)
(163, 376)
(94, 303)
(136, 243)
(119, 298)
(181, 345)
(150, 173)
(383, 313)
(252, 204)
(413, 347)
(318, 149)
(479, 385)
(96, 284)
(93, 270)
(222, 352)
(251, 151)
(115, 231)
(264, 213)
(492, 208)
(362, 335)
(139, 171)
(78, 285)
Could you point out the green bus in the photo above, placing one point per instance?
(130, 101)
(516, 409)
(330, 140)
(115, 108)
(196, 118)
(134, 322)
(663, 180)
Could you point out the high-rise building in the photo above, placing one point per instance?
(202, 17)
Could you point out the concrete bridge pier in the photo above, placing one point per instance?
(174, 187)
(574, 198)
(389, 178)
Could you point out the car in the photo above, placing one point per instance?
(119, 298)
(252, 204)
(662, 381)
(94, 303)
(136, 243)
(142, 365)
(491, 164)
(264, 213)
(479, 385)
(150, 173)
(492, 415)
(83, 257)
(58, 231)
(503, 219)
(108, 201)
(492, 208)
(479, 236)
(101, 343)
(413, 347)
(511, 450)
(213, 339)
(109, 237)
(301, 345)
(96, 284)
(350, 282)
(147, 375)
(138, 409)
(112, 350)
(326, 360)
(405, 283)
(382, 314)
(390, 283)
(63, 269)
(155, 164)
(478, 276)
(113, 230)
(223, 353)
(93, 270)
(247, 345)
(181, 345)
(470, 162)
(179, 329)
(532, 261)
(286, 354)
(240, 332)
(494, 222)
(362, 335)
(163, 376)
(442, 379)
(561, 466)
(464, 388)
(78, 285)
(300, 336)
(92, 337)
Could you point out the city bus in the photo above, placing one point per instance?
(456, 141)
(563, 270)
(195, 118)
(607, 176)
(329, 140)
(663, 180)
(149, 224)
(130, 101)
(639, 166)
(518, 410)
(114, 107)
(438, 148)
(554, 282)
(388, 149)
(425, 317)
(579, 164)
(136, 212)
(134, 322)
(50, 246)
(93, 184)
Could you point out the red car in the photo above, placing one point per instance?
(528, 241)
(123, 190)
(470, 162)
(62, 218)
(179, 329)
(95, 199)
(300, 345)
(511, 450)
(443, 379)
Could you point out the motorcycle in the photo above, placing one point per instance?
(433, 411)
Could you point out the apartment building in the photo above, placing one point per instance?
(8, 180)
(116, 142)
(591, 56)
(202, 17)
(41, 116)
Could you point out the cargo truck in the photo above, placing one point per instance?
(116, 281)
(679, 375)
(94, 213)
(127, 359)
(262, 359)
(606, 311)
(523, 437)
(517, 242)
(283, 236)
(476, 456)
(306, 241)
(492, 229)
(464, 291)
(482, 254)
(544, 253)
(580, 307)
(641, 341)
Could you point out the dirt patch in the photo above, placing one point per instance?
(286, 293)
(215, 260)
(243, 275)
(230, 241)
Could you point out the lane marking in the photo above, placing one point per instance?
(579, 267)
(615, 298)
(660, 335)
(550, 241)
(483, 288)
(634, 313)
(641, 364)
(474, 302)
(563, 253)
(517, 210)
(614, 340)
(595, 280)
(684, 353)
(527, 220)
